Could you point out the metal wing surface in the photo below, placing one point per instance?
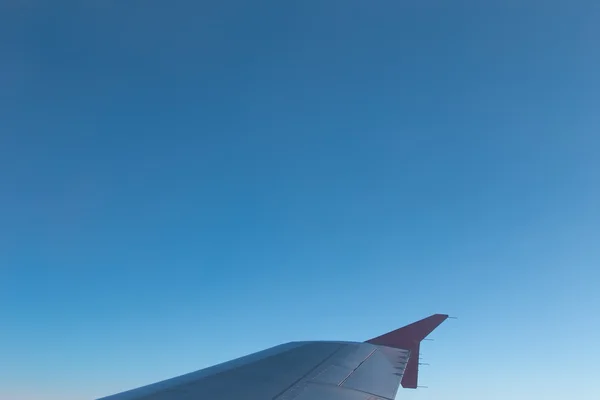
(313, 370)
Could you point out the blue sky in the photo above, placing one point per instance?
(183, 184)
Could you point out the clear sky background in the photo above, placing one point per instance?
(186, 182)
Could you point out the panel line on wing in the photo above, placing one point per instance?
(351, 372)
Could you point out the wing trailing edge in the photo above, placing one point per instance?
(409, 337)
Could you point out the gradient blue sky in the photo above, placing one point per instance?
(186, 182)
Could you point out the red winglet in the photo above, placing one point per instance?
(409, 337)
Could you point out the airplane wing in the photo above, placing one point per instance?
(317, 370)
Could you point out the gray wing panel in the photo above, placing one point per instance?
(262, 375)
(358, 371)
(295, 371)
(378, 375)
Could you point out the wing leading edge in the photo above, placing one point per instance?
(322, 370)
